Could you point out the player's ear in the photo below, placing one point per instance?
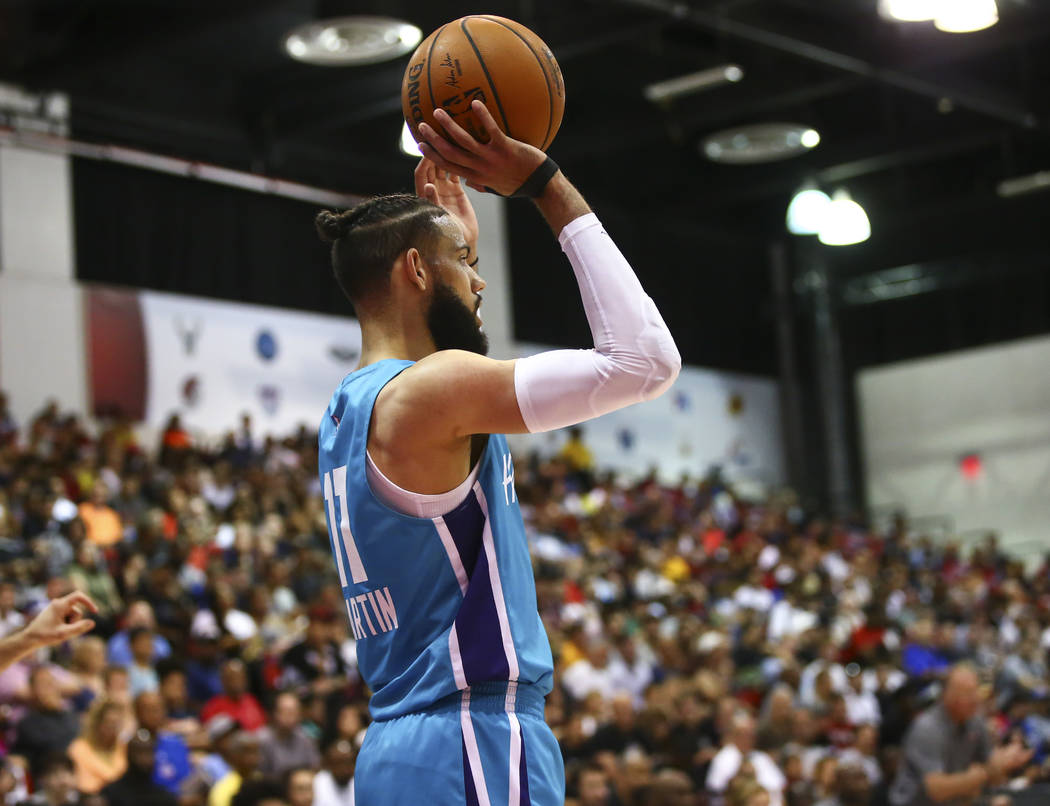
(415, 271)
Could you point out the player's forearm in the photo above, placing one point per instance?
(15, 647)
(634, 356)
(561, 203)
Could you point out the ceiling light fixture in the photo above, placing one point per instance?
(845, 222)
(760, 142)
(966, 16)
(409, 145)
(663, 91)
(344, 41)
(909, 10)
(807, 210)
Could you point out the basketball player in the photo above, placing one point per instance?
(419, 483)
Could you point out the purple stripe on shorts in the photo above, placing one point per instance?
(471, 794)
(523, 773)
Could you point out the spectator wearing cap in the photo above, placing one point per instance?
(740, 748)
(56, 782)
(139, 614)
(947, 753)
(172, 758)
(334, 784)
(204, 668)
(235, 701)
(285, 745)
(137, 786)
(48, 727)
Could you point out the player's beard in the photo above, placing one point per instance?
(453, 325)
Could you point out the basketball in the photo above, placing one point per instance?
(495, 60)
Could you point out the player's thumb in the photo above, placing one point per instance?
(77, 628)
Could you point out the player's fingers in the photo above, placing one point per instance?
(456, 133)
(450, 152)
(430, 193)
(488, 123)
(450, 166)
(67, 631)
(70, 601)
(478, 188)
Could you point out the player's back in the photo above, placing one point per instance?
(438, 605)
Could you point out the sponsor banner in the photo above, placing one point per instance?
(210, 361)
(153, 355)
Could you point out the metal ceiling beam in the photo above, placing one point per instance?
(937, 275)
(993, 105)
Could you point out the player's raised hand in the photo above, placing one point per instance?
(444, 189)
(502, 165)
(61, 620)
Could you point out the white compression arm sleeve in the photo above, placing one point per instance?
(634, 357)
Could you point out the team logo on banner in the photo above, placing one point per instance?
(270, 398)
(266, 345)
(342, 354)
(189, 333)
(191, 391)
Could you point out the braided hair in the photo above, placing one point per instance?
(368, 239)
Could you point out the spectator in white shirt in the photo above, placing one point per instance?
(334, 784)
(862, 706)
(753, 595)
(740, 747)
(630, 671)
(590, 674)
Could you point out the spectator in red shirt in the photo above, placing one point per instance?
(235, 701)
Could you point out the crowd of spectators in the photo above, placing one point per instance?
(708, 649)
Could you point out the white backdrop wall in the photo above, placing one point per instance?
(919, 418)
(41, 328)
(707, 418)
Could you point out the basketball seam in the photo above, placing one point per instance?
(430, 60)
(546, 78)
(485, 70)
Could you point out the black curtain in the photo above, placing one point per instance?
(151, 230)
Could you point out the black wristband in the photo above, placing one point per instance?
(474, 262)
(535, 184)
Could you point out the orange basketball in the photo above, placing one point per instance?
(498, 61)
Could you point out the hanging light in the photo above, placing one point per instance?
(910, 10)
(965, 16)
(408, 142)
(845, 222)
(807, 210)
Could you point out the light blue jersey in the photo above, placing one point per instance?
(436, 605)
(448, 636)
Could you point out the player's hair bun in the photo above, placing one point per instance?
(332, 226)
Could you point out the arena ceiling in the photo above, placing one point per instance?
(921, 126)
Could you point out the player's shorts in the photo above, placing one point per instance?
(480, 747)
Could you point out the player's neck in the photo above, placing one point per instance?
(405, 340)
